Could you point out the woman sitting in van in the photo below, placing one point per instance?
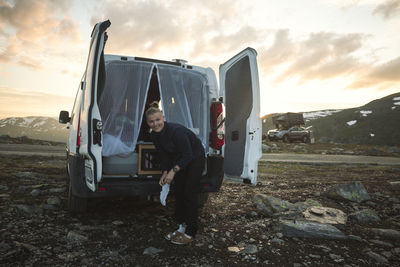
(182, 161)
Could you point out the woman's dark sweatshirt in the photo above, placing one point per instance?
(176, 145)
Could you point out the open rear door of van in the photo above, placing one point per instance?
(90, 124)
(240, 89)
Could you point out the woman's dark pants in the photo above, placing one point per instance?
(186, 189)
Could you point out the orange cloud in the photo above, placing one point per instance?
(30, 27)
(383, 75)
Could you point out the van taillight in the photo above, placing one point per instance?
(217, 136)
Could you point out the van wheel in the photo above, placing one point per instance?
(202, 199)
(76, 204)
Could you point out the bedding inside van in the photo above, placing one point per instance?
(184, 100)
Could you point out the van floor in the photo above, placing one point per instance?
(37, 229)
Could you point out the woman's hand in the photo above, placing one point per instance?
(170, 176)
(163, 178)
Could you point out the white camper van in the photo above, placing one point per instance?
(109, 148)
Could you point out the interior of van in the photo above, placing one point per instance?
(129, 87)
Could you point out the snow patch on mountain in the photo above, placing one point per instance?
(365, 112)
(397, 98)
(350, 123)
(319, 114)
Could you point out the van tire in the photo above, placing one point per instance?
(202, 199)
(76, 204)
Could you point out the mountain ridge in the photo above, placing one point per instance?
(376, 123)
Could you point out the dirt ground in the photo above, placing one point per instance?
(37, 230)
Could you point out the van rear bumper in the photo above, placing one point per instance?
(122, 187)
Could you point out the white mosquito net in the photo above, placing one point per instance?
(122, 105)
(184, 99)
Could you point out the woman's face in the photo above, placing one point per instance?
(156, 121)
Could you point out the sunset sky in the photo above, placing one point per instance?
(312, 54)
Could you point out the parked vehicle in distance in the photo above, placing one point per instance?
(295, 133)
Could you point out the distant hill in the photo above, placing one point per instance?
(41, 128)
(377, 123)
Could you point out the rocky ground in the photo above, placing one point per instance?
(297, 215)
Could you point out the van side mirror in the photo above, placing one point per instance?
(64, 117)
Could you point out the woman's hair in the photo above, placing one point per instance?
(153, 109)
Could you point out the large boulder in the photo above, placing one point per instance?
(270, 205)
(354, 191)
(365, 216)
(308, 229)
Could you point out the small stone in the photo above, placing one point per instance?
(395, 183)
(48, 207)
(277, 241)
(354, 237)
(378, 258)
(4, 196)
(233, 249)
(115, 234)
(74, 236)
(3, 187)
(314, 256)
(254, 214)
(4, 246)
(335, 257)
(152, 251)
(35, 192)
(279, 235)
(396, 250)
(387, 254)
(266, 149)
(57, 190)
(297, 264)
(381, 243)
(54, 201)
(117, 223)
(324, 248)
(250, 249)
(228, 234)
(394, 200)
(29, 209)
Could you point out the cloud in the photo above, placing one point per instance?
(383, 75)
(14, 102)
(388, 10)
(322, 55)
(180, 28)
(34, 27)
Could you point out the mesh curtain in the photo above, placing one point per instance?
(122, 105)
(184, 97)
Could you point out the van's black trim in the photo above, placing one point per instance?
(158, 61)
